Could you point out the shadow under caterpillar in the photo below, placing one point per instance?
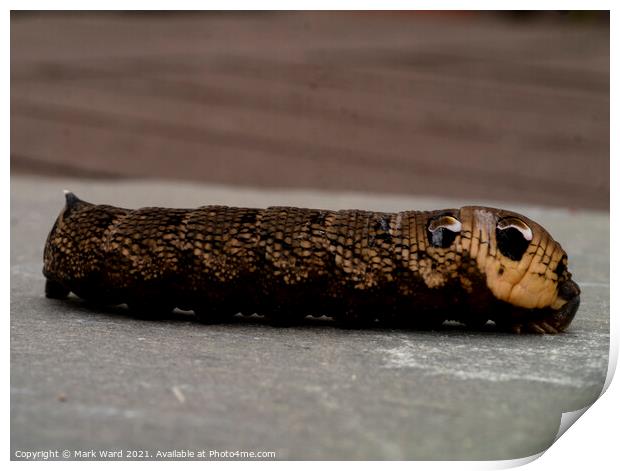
(408, 269)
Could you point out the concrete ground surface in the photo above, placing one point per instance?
(100, 379)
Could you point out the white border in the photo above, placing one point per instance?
(592, 442)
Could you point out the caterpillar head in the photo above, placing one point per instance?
(520, 261)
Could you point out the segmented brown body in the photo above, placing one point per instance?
(408, 268)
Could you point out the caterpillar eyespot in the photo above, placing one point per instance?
(515, 223)
(513, 237)
(412, 268)
(443, 230)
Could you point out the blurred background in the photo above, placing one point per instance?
(471, 105)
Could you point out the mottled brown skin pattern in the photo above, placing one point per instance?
(358, 267)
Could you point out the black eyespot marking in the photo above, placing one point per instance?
(442, 231)
(500, 272)
(513, 237)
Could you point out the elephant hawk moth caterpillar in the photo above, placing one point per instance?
(410, 269)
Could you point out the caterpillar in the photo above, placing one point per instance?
(408, 269)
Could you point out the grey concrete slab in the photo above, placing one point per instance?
(88, 379)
